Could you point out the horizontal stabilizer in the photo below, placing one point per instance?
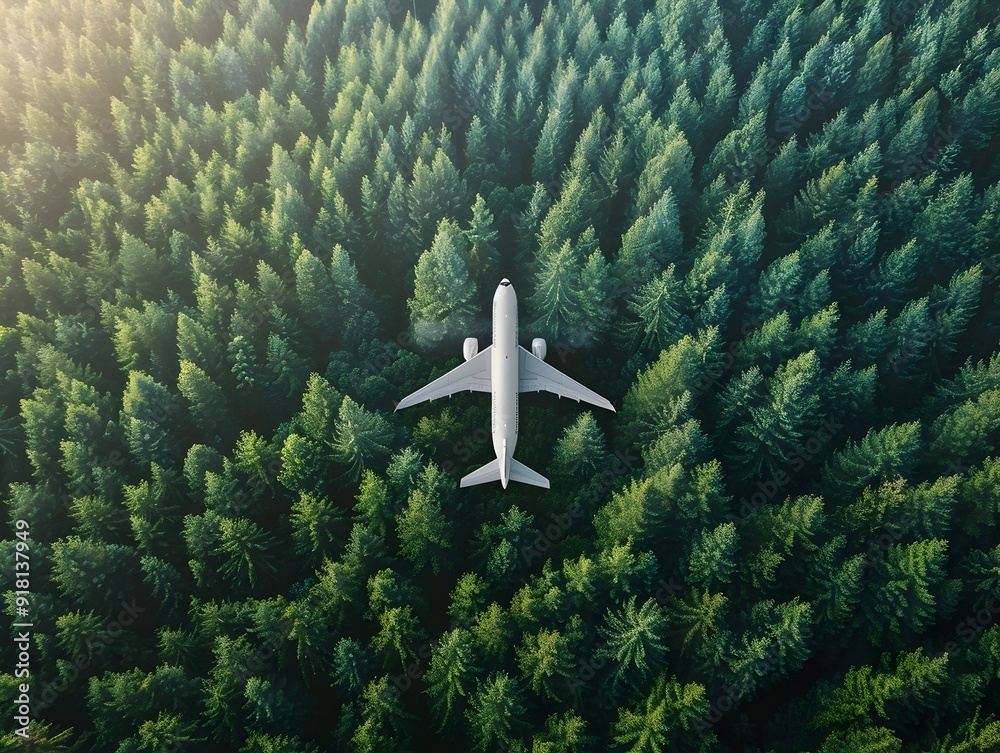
(489, 472)
(520, 472)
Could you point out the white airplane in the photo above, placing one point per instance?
(505, 369)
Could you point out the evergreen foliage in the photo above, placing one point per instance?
(233, 232)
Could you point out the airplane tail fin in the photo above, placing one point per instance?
(518, 472)
(489, 472)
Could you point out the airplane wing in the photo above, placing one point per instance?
(474, 374)
(535, 375)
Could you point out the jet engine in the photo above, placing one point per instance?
(470, 348)
(538, 348)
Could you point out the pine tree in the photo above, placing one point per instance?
(495, 711)
(244, 547)
(911, 589)
(246, 365)
(882, 455)
(908, 144)
(288, 370)
(653, 241)
(425, 532)
(398, 635)
(352, 298)
(152, 507)
(143, 339)
(838, 584)
(316, 523)
(953, 309)
(657, 398)
(382, 718)
(442, 309)
(93, 573)
(359, 436)
(195, 343)
(373, 503)
(658, 721)
(658, 304)
(635, 641)
(484, 258)
(256, 459)
(502, 546)
(317, 294)
(143, 273)
(553, 147)
(437, 192)
(563, 734)
(352, 665)
(581, 449)
(148, 409)
(667, 171)
(453, 665)
(289, 218)
(736, 156)
(774, 427)
(545, 661)
(711, 557)
(207, 401)
(320, 404)
(571, 288)
(303, 464)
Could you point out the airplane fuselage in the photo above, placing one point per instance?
(505, 370)
(504, 373)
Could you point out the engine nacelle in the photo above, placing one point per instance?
(538, 348)
(470, 348)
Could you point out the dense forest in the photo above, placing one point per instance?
(234, 232)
